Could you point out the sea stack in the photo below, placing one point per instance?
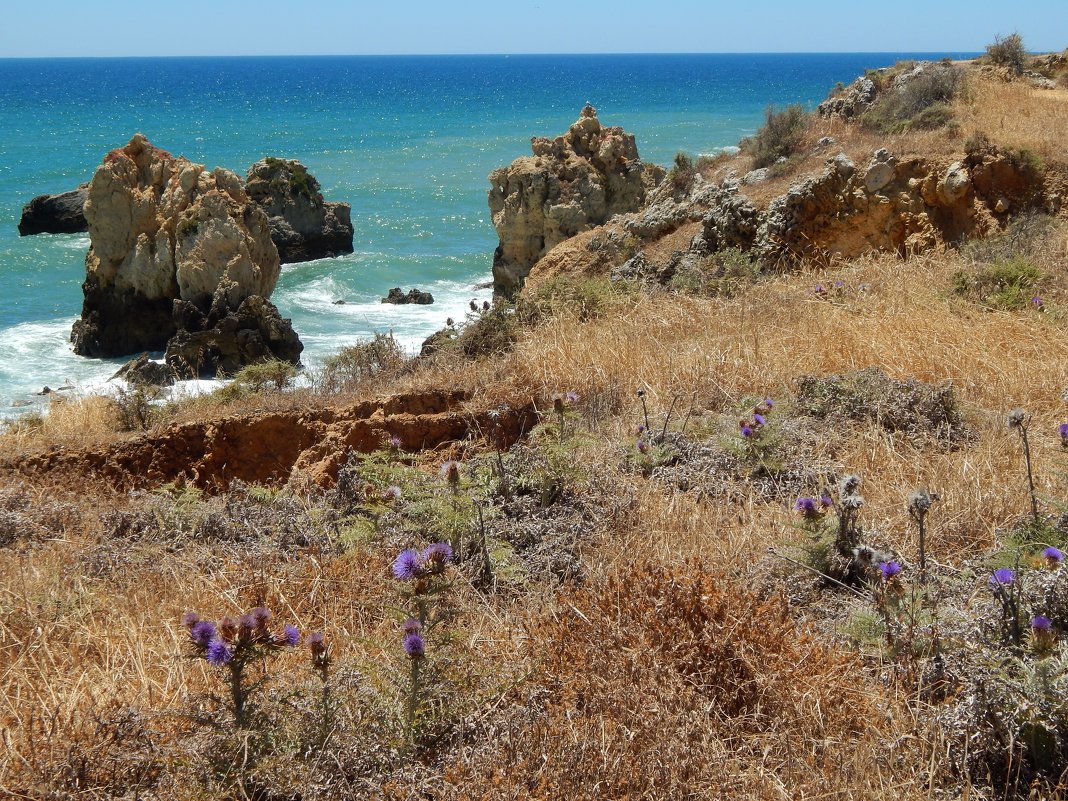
(571, 184)
(178, 248)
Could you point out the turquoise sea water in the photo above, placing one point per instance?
(407, 141)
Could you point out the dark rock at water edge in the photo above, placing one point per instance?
(55, 214)
(417, 296)
(304, 225)
(143, 371)
(117, 322)
(222, 341)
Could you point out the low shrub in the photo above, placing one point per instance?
(1008, 51)
(364, 360)
(919, 103)
(1008, 284)
(780, 136)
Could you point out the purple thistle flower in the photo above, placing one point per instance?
(825, 501)
(411, 626)
(316, 643)
(438, 554)
(1037, 302)
(408, 565)
(395, 442)
(414, 645)
(769, 403)
(1062, 429)
(1053, 555)
(572, 397)
(819, 290)
(747, 430)
(219, 653)
(758, 419)
(1041, 623)
(245, 626)
(889, 569)
(839, 284)
(203, 632)
(1003, 576)
(806, 506)
(642, 446)
(290, 636)
(640, 430)
(228, 628)
(190, 619)
(393, 493)
(262, 616)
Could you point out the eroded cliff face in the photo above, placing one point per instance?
(571, 184)
(905, 205)
(165, 230)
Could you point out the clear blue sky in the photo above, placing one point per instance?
(292, 27)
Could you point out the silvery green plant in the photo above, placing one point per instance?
(1018, 420)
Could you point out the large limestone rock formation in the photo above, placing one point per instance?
(162, 230)
(55, 214)
(304, 226)
(571, 184)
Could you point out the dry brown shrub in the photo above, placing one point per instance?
(666, 683)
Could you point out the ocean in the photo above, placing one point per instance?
(407, 141)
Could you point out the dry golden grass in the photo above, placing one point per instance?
(1016, 115)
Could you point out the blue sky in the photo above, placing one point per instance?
(292, 27)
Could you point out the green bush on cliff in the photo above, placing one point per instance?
(920, 103)
(1008, 51)
(779, 137)
(352, 365)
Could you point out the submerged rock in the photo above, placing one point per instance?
(145, 372)
(55, 214)
(398, 296)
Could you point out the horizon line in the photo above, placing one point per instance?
(508, 55)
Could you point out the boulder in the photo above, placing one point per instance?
(55, 214)
(166, 232)
(303, 225)
(851, 101)
(417, 296)
(145, 372)
(225, 339)
(571, 184)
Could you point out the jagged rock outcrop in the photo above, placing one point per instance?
(142, 371)
(417, 296)
(164, 229)
(55, 214)
(851, 101)
(304, 226)
(571, 184)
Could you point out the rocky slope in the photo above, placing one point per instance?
(571, 183)
(858, 202)
(168, 238)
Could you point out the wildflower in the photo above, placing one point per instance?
(572, 397)
(825, 501)
(408, 565)
(1062, 429)
(807, 507)
(246, 624)
(920, 501)
(1016, 418)
(392, 493)
(759, 419)
(262, 616)
(219, 653)
(414, 645)
(203, 632)
(411, 626)
(228, 628)
(769, 403)
(889, 569)
(395, 442)
(819, 290)
(290, 636)
(643, 446)
(839, 284)
(450, 471)
(1038, 303)
(316, 643)
(1054, 556)
(437, 555)
(1041, 623)
(190, 619)
(746, 430)
(849, 484)
(1003, 576)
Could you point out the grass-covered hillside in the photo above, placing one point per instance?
(754, 531)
